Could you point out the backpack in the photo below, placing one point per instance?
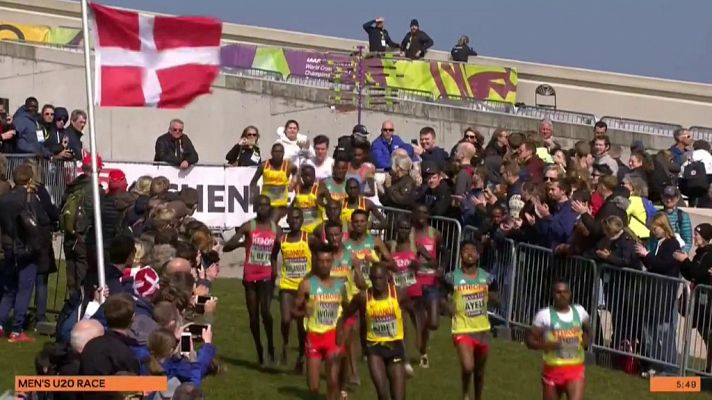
(694, 179)
(73, 219)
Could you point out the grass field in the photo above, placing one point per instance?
(512, 371)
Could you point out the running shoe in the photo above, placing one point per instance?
(649, 373)
(424, 361)
(409, 370)
(20, 337)
(344, 395)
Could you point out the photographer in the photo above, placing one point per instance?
(245, 153)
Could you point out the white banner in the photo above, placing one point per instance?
(224, 191)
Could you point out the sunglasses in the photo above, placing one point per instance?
(550, 179)
(48, 113)
(387, 130)
(177, 130)
(470, 137)
(251, 135)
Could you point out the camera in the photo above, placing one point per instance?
(210, 258)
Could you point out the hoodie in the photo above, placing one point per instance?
(292, 151)
(27, 128)
(54, 142)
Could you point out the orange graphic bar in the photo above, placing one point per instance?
(90, 383)
(675, 384)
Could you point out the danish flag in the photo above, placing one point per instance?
(153, 61)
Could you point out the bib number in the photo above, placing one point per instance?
(384, 329)
(275, 192)
(261, 257)
(404, 279)
(310, 215)
(327, 314)
(296, 269)
(474, 305)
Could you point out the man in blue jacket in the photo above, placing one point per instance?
(30, 135)
(384, 145)
(556, 225)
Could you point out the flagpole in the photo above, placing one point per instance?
(92, 148)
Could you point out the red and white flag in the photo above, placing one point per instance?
(153, 61)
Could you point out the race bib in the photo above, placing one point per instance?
(474, 304)
(255, 157)
(274, 192)
(569, 348)
(384, 328)
(260, 255)
(310, 215)
(296, 268)
(404, 279)
(327, 313)
(383, 42)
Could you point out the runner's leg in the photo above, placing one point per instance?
(575, 389)
(253, 313)
(265, 290)
(332, 376)
(286, 300)
(396, 375)
(377, 370)
(354, 377)
(467, 367)
(313, 369)
(302, 337)
(479, 373)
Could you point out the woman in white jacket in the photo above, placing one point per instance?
(297, 148)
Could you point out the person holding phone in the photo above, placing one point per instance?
(245, 153)
(177, 357)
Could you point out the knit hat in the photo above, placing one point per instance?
(414, 22)
(117, 181)
(704, 230)
(146, 282)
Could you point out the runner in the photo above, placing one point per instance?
(472, 288)
(342, 269)
(562, 332)
(428, 238)
(334, 186)
(296, 263)
(369, 249)
(333, 214)
(405, 256)
(276, 173)
(260, 237)
(320, 298)
(362, 170)
(354, 201)
(384, 338)
(305, 198)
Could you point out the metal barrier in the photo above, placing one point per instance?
(450, 230)
(535, 269)
(701, 133)
(569, 117)
(642, 321)
(648, 127)
(697, 353)
(253, 73)
(498, 258)
(54, 174)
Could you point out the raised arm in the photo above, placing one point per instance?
(238, 240)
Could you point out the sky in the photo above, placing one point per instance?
(659, 38)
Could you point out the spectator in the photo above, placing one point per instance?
(601, 146)
(510, 172)
(683, 140)
(600, 129)
(188, 391)
(345, 144)
(618, 246)
(692, 184)
(296, 145)
(323, 163)
(73, 133)
(679, 220)
(664, 173)
(556, 224)
(583, 158)
(8, 134)
(531, 162)
(437, 195)
(462, 50)
(59, 138)
(82, 333)
(245, 153)
(111, 353)
(47, 120)
(473, 136)
(4, 184)
(378, 38)
(175, 147)
(612, 205)
(121, 254)
(383, 147)
(23, 242)
(400, 188)
(561, 159)
(494, 153)
(78, 227)
(640, 210)
(429, 150)
(546, 133)
(615, 152)
(463, 179)
(30, 136)
(115, 206)
(416, 42)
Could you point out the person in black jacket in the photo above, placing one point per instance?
(23, 240)
(699, 272)
(462, 50)
(614, 204)
(378, 38)
(345, 144)
(246, 153)
(435, 193)
(175, 148)
(416, 42)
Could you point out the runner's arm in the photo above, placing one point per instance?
(238, 240)
(322, 194)
(294, 176)
(383, 250)
(586, 327)
(377, 214)
(299, 307)
(354, 306)
(358, 275)
(258, 174)
(535, 339)
(275, 253)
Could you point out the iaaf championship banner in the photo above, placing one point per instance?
(440, 79)
(40, 34)
(224, 191)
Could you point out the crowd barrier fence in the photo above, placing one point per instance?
(450, 230)
(54, 174)
(698, 332)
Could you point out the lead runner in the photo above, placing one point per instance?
(562, 331)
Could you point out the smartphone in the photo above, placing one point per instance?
(414, 142)
(196, 331)
(204, 299)
(185, 343)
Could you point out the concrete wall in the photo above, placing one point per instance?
(596, 92)
(214, 122)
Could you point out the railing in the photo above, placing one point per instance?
(697, 348)
(556, 115)
(54, 174)
(637, 126)
(701, 133)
